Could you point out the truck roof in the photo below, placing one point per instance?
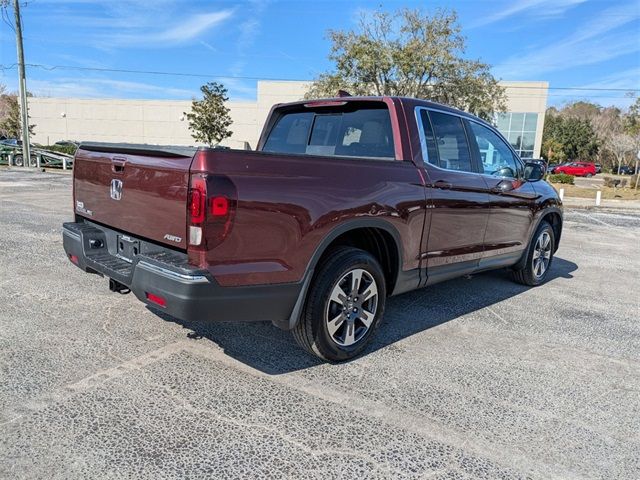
(403, 100)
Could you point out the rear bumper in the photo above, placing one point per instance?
(189, 293)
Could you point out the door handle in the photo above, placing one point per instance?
(441, 184)
(503, 187)
(117, 164)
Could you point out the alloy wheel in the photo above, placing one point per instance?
(541, 254)
(352, 307)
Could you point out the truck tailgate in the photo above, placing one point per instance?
(138, 189)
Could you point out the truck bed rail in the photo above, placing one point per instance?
(140, 149)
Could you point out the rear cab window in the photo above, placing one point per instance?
(355, 129)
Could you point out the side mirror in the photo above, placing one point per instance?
(533, 172)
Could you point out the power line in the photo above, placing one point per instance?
(240, 77)
(5, 17)
(146, 72)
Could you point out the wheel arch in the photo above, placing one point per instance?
(554, 218)
(376, 236)
(379, 239)
(552, 215)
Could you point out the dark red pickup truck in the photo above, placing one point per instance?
(345, 202)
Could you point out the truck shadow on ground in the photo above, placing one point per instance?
(266, 348)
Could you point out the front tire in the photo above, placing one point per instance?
(344, 305)
(539, 257)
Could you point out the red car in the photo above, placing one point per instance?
(579, 169)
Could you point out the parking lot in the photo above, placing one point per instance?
(473, 378)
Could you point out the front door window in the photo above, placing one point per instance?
(496, 157)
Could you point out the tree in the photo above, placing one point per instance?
(632, 119)
(583, 129)
(552, 150)
(581, 110)
(10, 122)
(410, 53)
(620, 144)
(209, 117)
(568, 138)
(4, 107)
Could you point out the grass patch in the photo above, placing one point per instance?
(608, 193)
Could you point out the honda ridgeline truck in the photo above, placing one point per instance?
(345, 202)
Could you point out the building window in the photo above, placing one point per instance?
(520, 130)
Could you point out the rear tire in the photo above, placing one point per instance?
(18, 160)
(539, 257)
(344, 305)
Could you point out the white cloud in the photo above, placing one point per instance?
(208, 46)
(625, 82)
(113, 15)
(536, 8)
(74, 87)
(183, 32)
(193, 27)
(595, 41)
(625, 79)
(240, 90)
(249, 30)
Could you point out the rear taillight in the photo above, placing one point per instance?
(219, 206)
(212, 205)
(197, 199)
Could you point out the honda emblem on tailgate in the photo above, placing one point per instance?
(116, 189)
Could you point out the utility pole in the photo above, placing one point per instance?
(22, 89)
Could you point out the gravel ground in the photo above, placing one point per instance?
(474, 378)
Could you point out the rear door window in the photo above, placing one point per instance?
(355, 132)
(451, 142)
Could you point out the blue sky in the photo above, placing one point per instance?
(570, 43)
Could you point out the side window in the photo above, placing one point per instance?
(497, 158)
(451, 142)
(364, 132)
(432, 151)
(290, 134)
(324, 134)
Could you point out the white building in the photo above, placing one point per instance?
(164, 122)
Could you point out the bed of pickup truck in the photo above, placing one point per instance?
(344, 202)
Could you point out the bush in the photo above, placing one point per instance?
(619, 183)
(561, 178)
(68, 149)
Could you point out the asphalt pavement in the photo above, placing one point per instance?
(473, 378)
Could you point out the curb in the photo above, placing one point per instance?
(34, 170)
(604, 209)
